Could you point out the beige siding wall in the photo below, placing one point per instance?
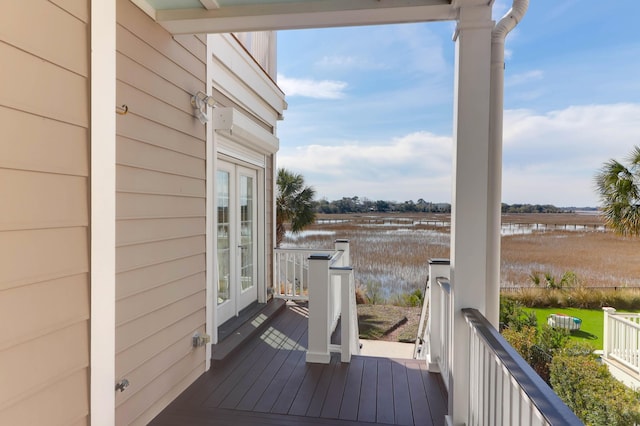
(160, 208)
(44, 218)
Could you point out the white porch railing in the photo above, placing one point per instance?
(622, 339)
(331, 291)
(292, 272)
(500, 387)
(433, 342)
(503, 388)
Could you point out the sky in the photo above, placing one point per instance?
(370, 109)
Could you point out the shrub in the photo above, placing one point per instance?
(568, 279)
(513, 316)
(413, 299)
(537, 347)
(374, 293)
(588, 388)
(522, 340)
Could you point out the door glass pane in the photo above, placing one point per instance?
(224, 233)
(246, 231)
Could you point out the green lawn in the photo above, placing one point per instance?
(592, 322)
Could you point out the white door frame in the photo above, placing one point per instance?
(260, 250)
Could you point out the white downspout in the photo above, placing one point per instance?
(498, 35)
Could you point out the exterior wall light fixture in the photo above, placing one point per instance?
(200, 101)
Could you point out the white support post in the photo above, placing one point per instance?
(346, 326)
(470, 205)
(606, 343)
(437, 268)
(319, 327)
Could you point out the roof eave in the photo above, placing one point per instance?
(330, 13)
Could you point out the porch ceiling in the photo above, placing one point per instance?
(221, 16)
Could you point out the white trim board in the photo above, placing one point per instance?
(103, 211)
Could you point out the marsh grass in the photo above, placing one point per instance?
(388, 260)
(395, 255)
(581, 297)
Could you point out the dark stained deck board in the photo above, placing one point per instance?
(368, 403)
(290, 389)
(384, 402)
(200, 390)
(351, 399)
(319, 395)
(273, 335)
(268, 382)
(271, 394)
(269, 362)
(435, 394)
(225, 417)
(308, 387)
(401, 396)
(335, 393)
(265, 378)
(419, 406)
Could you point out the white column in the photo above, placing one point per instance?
(470, 204)
(319, 327)
(103, 211)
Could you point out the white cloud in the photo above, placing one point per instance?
(414, 166)
(548, 158)
(553, 157)
(317, 89)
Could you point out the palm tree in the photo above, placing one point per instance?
(619, 188)
(293, 203)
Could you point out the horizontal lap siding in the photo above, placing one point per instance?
(161, 214)
(44, 219)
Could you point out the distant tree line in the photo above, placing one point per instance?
(365, 205)
(534, 208)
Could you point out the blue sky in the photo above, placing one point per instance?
(370, 108)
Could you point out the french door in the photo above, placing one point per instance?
(237, 239)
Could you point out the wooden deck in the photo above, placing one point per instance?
(268, 382)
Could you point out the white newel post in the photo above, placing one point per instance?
(471, 207)
(343, 245)
(319, 326)
(437, 268)
(606, 343)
